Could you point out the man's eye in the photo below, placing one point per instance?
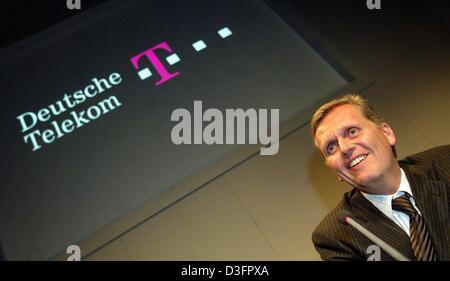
(331, 147)
(353, 131)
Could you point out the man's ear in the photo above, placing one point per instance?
(388, 133)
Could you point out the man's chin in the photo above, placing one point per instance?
(360, 183)
(365, 184)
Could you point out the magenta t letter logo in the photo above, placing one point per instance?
(150, 54)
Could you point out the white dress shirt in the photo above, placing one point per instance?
(384, 203)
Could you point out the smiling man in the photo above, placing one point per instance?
(406, 203)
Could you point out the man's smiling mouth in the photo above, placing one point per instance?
(356, 161)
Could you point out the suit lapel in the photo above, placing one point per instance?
(379, 224)
(431, 199)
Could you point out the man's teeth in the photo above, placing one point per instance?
(357, 160)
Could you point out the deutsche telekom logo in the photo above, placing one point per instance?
(172, 58)
(211, 126)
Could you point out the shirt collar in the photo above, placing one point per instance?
(384, 202)
(404, 186)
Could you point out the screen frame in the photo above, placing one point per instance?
(357, 80)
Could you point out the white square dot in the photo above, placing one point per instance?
(224, 32)
(145, 73)
(173, 58)
(199, 45)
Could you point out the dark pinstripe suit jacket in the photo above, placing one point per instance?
(428, 173)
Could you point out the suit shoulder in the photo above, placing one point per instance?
(332, 239)
(434, 162)
(435, 154)
(330, 223)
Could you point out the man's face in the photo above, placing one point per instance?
(356, 148)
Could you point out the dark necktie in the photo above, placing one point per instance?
(419, 235)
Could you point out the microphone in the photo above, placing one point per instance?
(345, 217)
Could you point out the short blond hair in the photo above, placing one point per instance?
(352, 99)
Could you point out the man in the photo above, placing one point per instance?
(405, 203)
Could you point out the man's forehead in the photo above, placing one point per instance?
(339, 117)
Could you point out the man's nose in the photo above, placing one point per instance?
(346, 147)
